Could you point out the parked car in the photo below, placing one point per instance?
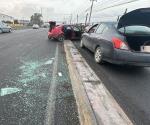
(4, 28)
(122, 42)
(62, 32)
(35, 26)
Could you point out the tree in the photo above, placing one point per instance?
(36, 19)
(8, 22)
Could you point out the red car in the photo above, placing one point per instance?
(56, 33)
(62, 32)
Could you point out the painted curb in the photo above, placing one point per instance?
(96, 106)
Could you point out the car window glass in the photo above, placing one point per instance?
(100, 28)
(142, 30)
(105, 29)
(75, 29)
(68, 28)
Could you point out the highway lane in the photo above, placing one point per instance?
(130, 86)
(29, 65)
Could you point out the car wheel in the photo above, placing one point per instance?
(10, 30)
(61, 38)
(81, 44)
(49, 37)
(98, 56)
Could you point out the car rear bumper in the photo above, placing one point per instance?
(130, 58)
(54, 35)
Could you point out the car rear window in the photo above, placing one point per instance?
(139, 30)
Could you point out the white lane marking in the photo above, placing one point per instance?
(51, 95)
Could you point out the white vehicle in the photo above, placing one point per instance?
(35, 26)
(4, 28)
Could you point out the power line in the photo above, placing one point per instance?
(120, 4)
(116, 5)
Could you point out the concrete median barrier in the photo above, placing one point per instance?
(96, 106)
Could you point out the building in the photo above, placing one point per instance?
(24, 22)
(4, 17)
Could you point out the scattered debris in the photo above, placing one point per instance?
(7, 91)
(43, 75)
(60, 74)
(49, 62)
(33, 70)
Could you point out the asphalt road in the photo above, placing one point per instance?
(35, 87)
(130, 86)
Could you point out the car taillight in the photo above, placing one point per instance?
(119, 44)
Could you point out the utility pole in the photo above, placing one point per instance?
(70, 18)
(86, 19)
(41, 11)
(91, 10)
(77, 18)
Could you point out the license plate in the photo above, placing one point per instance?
(145, 49)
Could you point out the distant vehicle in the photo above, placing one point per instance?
(35, 26)
(62, 32)
(126, 42)
(4, 28)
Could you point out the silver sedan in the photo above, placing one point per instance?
(4, 28)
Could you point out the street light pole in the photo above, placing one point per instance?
(91, 10)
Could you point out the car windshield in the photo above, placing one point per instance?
(140, 30)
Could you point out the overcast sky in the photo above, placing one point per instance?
(62, 9)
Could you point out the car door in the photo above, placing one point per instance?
(103, 38)
(95, 37)
(76, 32)
(88, 35)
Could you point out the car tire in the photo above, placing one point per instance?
(10, 30)
(49, 37)
(98, 56)
(61, 38)
(81, 44)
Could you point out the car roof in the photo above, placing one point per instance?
(108, 23)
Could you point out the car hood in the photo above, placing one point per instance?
(136, 17)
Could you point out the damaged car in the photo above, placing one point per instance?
(126, 42)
